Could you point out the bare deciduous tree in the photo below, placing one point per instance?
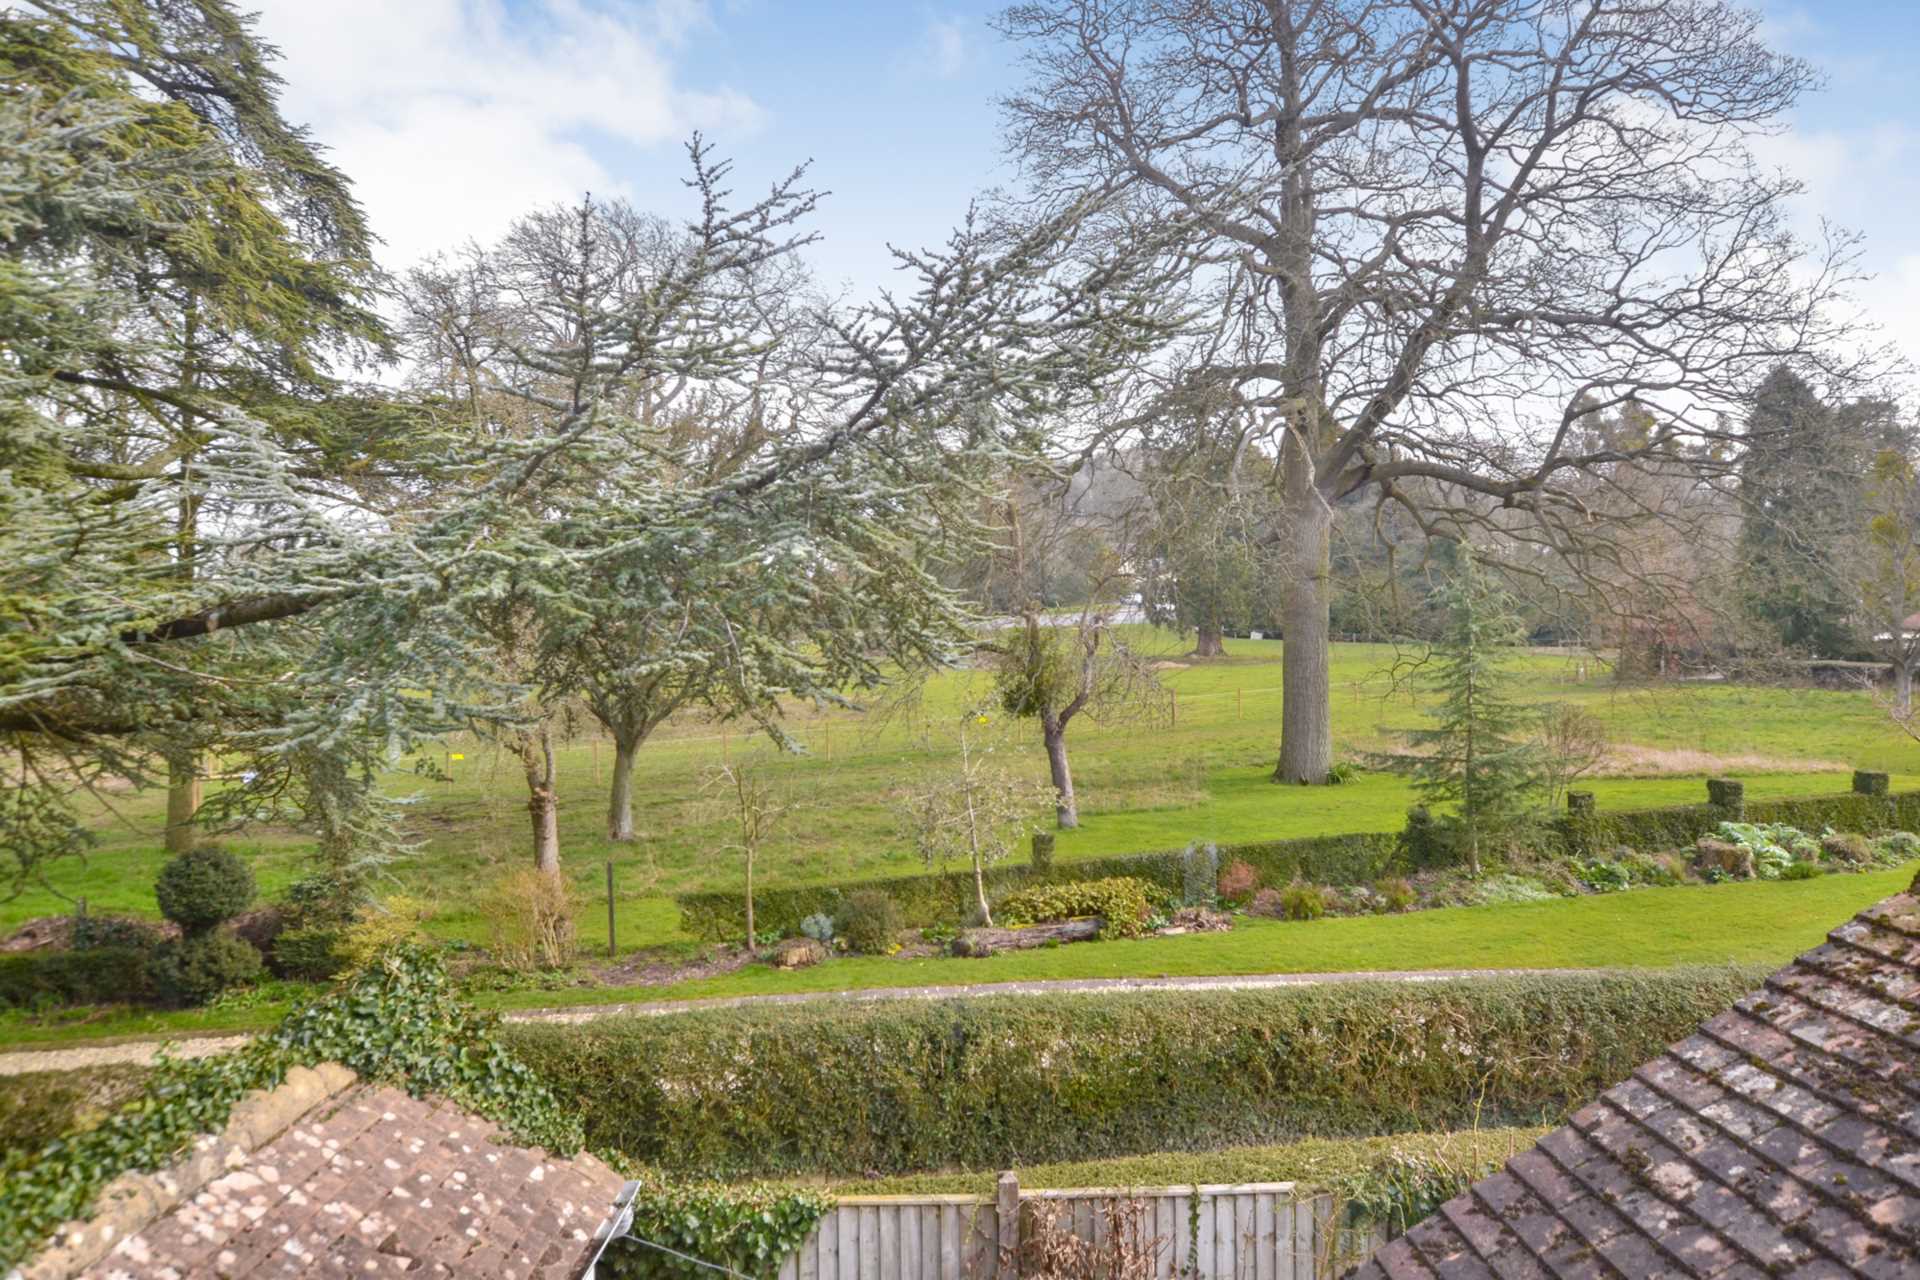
(758, 810)
(976, 812)
(1437, 233)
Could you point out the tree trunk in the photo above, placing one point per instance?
(543, 805)
(1902, 688)
(1066, 810)
(183, 802)
(620, 801)
(1306, 703)
(1208, 643)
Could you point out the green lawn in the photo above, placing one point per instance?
(1203, 777)
(1757, 922)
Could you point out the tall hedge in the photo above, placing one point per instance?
(1350, 858)
(902, 1086)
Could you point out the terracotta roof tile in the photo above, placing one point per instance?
(1781, 1140)
(379, 1184)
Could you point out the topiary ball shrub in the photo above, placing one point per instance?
(204, 887)
(870, 922)
(201, 965)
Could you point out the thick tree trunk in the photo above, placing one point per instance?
(1902, 688)
(620, 800)
(1208, 643)
(1065, 809)
(1306, 703)
(543, 804)
(183, 801)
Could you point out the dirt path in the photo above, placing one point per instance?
(20, 1062)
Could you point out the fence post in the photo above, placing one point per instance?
(1007, 1204)
(610, 949)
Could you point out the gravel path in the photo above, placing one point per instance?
(20, 1062)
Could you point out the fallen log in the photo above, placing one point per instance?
(985, 942)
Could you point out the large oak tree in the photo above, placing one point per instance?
(1438, 233)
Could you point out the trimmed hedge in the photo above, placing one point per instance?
(947, 898)
(903, 1086)
(101, 975)
(1586, 835)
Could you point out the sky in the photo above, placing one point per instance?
(454, 116)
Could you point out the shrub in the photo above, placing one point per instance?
(91, 932)
(1606, 877)
(202, 965)
(397, 918)
(101, 975)
(1898, 846)
(204, 887)
(1422, 841)
(870, 922)
(1849, 850)
(1303, 901)
(1120, 902)
(1238, 880)
(1043, 851)
(819, 927)
(531, 912)
(1774, 845)
(981, 1083)
(745, 1230)
(1396, 893)
(1266, 903)
(312, 953)
(1803, 871)
(1505, 889)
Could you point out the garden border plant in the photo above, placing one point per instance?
(1582, 835)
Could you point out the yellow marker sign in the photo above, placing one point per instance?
(457, 756)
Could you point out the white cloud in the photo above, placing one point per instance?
(942, 50)
(454, 116)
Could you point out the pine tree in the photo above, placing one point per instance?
(1477, 757)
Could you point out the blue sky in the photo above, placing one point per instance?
(455, 115)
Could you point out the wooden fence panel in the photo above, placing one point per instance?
(1258, 1231)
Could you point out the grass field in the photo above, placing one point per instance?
(1201, 777)
(1756, 922)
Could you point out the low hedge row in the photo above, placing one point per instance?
(947, 898)
(1676, 826)
(99, 975)
(1351, 858)
(988, 1082)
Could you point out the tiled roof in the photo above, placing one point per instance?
(1782, 1139)
(375, 1183)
